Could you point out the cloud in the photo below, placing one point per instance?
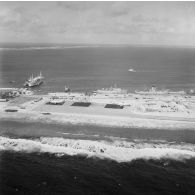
(8, 17)
(98, 22)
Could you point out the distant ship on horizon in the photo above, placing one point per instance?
(34, 81)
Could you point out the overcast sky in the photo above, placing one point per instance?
(171, 23)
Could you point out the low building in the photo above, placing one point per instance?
(115, 106)
(83, 104)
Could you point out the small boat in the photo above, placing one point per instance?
(131, 70)
(66, 89)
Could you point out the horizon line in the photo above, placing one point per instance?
(106, 44)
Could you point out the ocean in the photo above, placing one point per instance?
(51, 158)
(88, 67)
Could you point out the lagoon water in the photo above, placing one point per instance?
(85, 68)
(26, 167)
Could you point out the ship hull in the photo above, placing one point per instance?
(33, 84)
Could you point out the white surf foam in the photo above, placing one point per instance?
(120, 151)
(79, 134)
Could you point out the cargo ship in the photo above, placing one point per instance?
(34, 81)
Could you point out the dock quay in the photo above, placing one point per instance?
(104, 102)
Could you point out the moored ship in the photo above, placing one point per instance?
(154, 91)
(111, 90)
(34, 81)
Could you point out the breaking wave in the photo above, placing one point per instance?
(120, 151)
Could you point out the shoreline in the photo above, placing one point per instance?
(118, 151)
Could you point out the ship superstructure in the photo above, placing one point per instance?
(34, 81)
(66, 89)
(111, 90)
(154, 91)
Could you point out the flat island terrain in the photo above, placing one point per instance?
(107, 107)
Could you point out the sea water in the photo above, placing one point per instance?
(88, 67)
(43, 158)
(39, 158)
